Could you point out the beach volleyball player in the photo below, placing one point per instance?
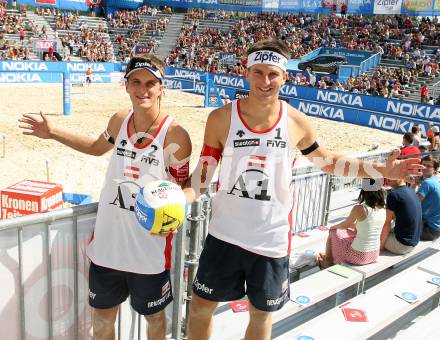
(248, 245)
(126, 259)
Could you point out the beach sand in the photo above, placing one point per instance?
(27, 157)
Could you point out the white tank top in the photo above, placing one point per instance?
(119, 242)
(253, 205)
(368, 230)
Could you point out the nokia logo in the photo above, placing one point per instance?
(24, 66)
(394, 124)
(10, 77)
(187, 74)
(407, 109)
(173, 84)
(246, 142)
(82, 67)
(228, 81)
(289, 90)
(321, 110)
(339, 98)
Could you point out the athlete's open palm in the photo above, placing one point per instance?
(402, 168)
(34, 126)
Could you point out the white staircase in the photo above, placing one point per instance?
(169, 39)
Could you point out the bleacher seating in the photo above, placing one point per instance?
(380, 303)
(425, 328)
(11, 47)
(324, 288)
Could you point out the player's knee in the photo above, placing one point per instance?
(156, 318)
(201, 308)
(103, 325)
(259, 316)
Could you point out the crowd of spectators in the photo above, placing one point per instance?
(63, 19)
(198, 13)
(385, 82)
(89, 44)
(15, 24)
(137, 29)
(205, 49)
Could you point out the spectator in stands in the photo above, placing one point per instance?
(417, 137)
(429, 194)
(424, 94)
(435, 143)
(408, 147)
(356, 240)
(430, 133)
(404, 208)
(343, 9)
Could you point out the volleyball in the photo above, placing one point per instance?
(160, 207)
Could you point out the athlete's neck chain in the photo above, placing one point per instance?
(144, 134)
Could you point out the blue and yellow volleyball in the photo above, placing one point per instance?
(160, 207)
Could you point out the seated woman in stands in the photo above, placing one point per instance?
(356, 240)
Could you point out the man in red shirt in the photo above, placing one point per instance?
(408, 147)
(22, 34)
(424, 94)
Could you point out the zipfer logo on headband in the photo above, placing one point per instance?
(144, 64)
(147, 66)
(267, 57)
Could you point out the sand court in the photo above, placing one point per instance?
(26, 156)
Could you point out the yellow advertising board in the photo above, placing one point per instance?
(419, 5)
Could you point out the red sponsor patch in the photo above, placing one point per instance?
(239, 306)
(354, 315)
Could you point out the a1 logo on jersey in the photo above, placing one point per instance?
(252, 183)
(277, 142)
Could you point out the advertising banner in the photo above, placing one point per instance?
(418, 5)
(39, 66)
(45, 2)
(142, 49)
(52, 78)
(44, 44)
(376, 112)
(359, 6)
(387, 6)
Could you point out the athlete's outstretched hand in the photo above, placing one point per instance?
(402, 168)
(36, 127)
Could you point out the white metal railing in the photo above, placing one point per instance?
(44, 267)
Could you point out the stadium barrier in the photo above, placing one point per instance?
(44, 258)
